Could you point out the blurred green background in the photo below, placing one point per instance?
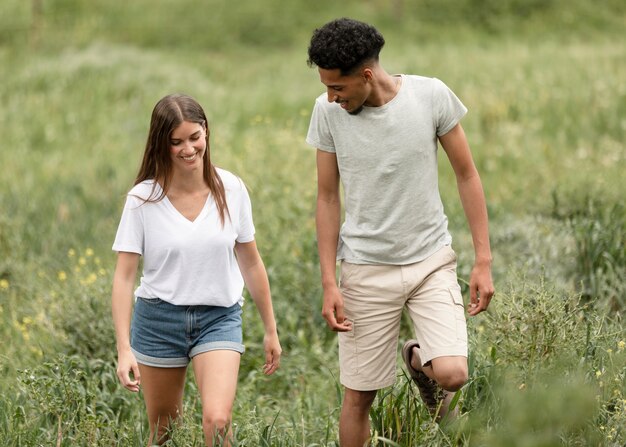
(545, 84)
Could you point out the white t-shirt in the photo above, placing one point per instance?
(184, 262)
(387, 159)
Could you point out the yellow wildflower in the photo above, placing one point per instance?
(23, 329)
(89, 252)
(71, 253)
(62, 275)
(89, 279)
(4, 284)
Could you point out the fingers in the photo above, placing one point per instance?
(343, 326)
(272, 361)
(270, 368)
(137, 376)
(339, 315)
(479, 299)
(126, 366)
(338, 324)
(130, 383)
(336, 319)
(481, 289)
(473, 304)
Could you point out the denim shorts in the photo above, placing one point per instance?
(168, 336)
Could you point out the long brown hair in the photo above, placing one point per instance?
(167, 115)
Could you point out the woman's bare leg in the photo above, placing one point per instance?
(216, 376)
(163, 394)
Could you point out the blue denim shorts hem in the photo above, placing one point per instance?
(217, 346)
(172, 362)
(178, 362)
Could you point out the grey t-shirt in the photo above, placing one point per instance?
(387, 158)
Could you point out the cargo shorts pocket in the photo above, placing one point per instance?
(459, 311)
(348, 353)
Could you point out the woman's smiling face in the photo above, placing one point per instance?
(188, 145)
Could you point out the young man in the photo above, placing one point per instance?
(377, 133)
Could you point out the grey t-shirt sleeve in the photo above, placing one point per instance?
(319, 135)
(447, 108)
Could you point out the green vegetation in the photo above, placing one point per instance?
(544, 82)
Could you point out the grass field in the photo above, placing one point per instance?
(545, 86)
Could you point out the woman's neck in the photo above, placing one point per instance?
(188, 183)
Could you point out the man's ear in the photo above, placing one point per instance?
(367, 74)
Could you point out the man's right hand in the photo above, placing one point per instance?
(332, 311)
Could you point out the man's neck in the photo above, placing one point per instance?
(385, 88)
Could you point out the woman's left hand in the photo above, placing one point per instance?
(272, 353)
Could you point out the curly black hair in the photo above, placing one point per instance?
(344, 44)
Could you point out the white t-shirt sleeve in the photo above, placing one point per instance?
(245, 232)
(130, 232)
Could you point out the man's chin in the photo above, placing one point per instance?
(355, 111)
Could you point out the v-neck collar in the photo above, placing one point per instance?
(179, 215)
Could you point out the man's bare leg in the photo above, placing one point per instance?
(354, 422)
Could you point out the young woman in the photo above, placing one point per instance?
(192, 223)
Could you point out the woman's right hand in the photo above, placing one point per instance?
(127, 364)
(122, 309)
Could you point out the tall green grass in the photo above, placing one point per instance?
(546, 124)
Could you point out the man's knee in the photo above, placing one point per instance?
(361, 400)
(451, 374)
(453, 381)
